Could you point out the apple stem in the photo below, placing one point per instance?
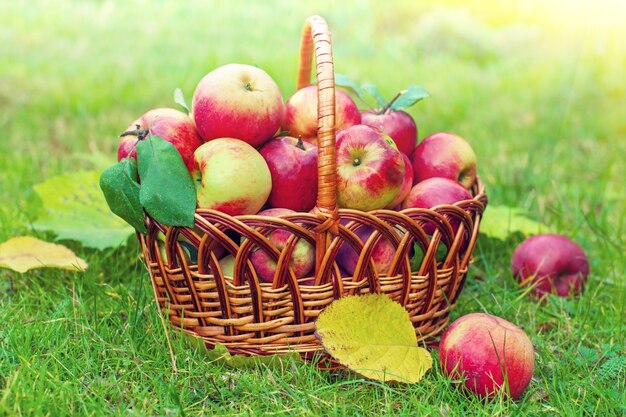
(140, 133)
(300, 144)
(387, 107)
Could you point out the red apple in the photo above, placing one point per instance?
(407, 184)
(444, 155)
(231, 176)
(552, 264)
(301, 113)
(172, 125)
(370, 172)
(382, 254)
(293, 165)
(398, 124)
(484, 350)
(302, 258)
(237, 101)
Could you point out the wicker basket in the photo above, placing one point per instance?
(253, 318)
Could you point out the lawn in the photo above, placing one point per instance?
(537, 88)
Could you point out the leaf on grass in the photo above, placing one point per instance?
(75, 209)
(167, 191)
(409, 97)
(26, 252)
(346, 83)
(121, 191)
(179, 98)
(219, 354)
(501, 221)
(373, 335)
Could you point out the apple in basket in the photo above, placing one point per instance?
(484, 350)
(237, 101)
(382, 253)
(398, 124)
(444, 155)
(293, 165)
(301, 113)
(172, 125)
(370, 171)
(231, 177)
(552, 264)
(302, 258)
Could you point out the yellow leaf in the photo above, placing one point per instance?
(373, 335)
(26, 252)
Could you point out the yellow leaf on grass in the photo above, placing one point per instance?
(373, 335)
(26, 252)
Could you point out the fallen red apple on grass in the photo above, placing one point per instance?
(237, 101)
(293, 165)
(231, 176)
(444, 155)
(302, 258)
(370, 171)
(489, 354)
(301, 113)
(552, 264)
(172, 125)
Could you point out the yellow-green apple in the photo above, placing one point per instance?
(382, 254)
(489, 353)
(552, 264)
(370, 171)
(237, 101)
(301, 113)
(444, 155)
(398, 124)
(407, 184)
(433, 192)
(231, 176)
(227, 265)
(170, 124)
(302, 258)
(293, 165)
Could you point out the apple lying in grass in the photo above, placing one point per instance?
(398, 124)
(301, 113)
(370, 171)
(172, 125)
(231, 177)
(293, 165)
(488, 353)
(302, 257)
(444, 155)
(237, 101)
(552, 264)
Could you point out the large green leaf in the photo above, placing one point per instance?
(373, 335)
(74, 208)
(167, 191)
(501, 221)
(121, 191)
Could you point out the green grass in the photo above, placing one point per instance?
(537, 89)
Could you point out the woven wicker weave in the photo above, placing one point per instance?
(254, 318)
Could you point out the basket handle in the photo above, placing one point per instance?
(315, 34)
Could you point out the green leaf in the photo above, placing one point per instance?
(373, 335)
(501, 221)
(418, 257)
(121, 191)
(179, 99)
(74, 208)
(219, 354)
(167, 191)
(372, 90)
(346, 83)
(409, 97)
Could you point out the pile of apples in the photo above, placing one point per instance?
(250, 152)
